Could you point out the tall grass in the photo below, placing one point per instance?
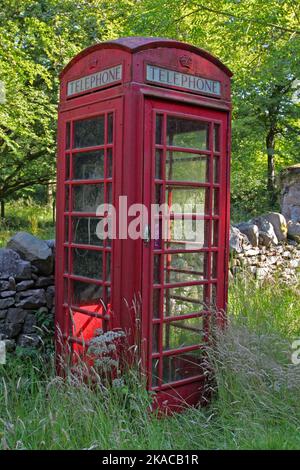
(25, 215)
(256, 404)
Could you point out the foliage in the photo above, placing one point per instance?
(25, 215)
(256, 405)
(258, 40)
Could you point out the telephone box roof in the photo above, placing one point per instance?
(136, 43)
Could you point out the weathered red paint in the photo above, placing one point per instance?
(134, 103)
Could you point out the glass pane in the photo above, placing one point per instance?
(187, 133)
(66, 257)
(89, 132)
(189, 200)
(183, 300)
(185, 267)
(87, 197)
(179, 334)
(110, 128)
(181, 166)
(66, 229)
(156, 303)
(86, 294)
(84, 231)
(215, 202)
(87, 263)
(186, 234)
(155, 372)
(214, 233)
(67, 166)
(214, 265)
(217, 138)
(68, 127)
(88, 165)
(182, 366)
(109, 164)
(67, 189)
(158, 164)
(108, 265)
(155, 337)
(159, 129)
(216, 176)
(156, 270)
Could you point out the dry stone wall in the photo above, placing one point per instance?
(264, 248)
(26, 290)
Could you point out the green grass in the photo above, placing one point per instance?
(24, 215)
(256, 406)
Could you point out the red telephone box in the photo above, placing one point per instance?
(145, 121)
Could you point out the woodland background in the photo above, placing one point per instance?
(258, 40)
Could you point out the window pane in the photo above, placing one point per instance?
(183, 166)
(156, 270)
(109, 163)
(155, 363)
(110, 128)
(185, 267)
(193, 198)
(179, 334)
(159, 129)
(217, 138)
(216, 176)
(187, 133)
(182, 366)
(158, 164)
(183, 300)
(87, 263)
(67, 197)
(67, 166)
(88, 165)
(186, 234)
(68, 135)
(86, 294)
(84, 231)
(156, 303)
(155, 336)
(87, 197)
(89, 132)
(108, 266)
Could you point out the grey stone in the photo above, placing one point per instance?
(250, 230)
(44, 281)
(261, 273)
(294, 231)
(6, 303)
(265, 239)
(31, 299)
(34, 250)
(290, 193)
(7, 293)
(237, 240)
(50, 294)
(16, 315)
(266, 227)
(3, 314)
(279, 224)
(11, 265)
(4, 285)
(28, 341)
(10, 330)
(24, 285)
(30, 324)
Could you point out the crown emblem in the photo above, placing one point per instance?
(185, 61)
(93, 63)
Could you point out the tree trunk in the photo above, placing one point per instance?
(270, 144)
(2, 209)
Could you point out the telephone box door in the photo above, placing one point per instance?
(184, 259)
